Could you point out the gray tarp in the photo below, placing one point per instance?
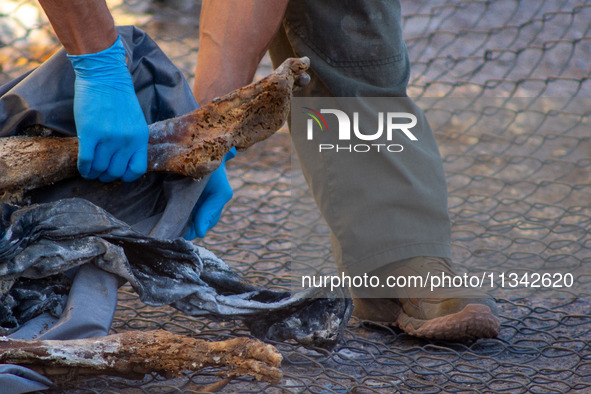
(68, 252)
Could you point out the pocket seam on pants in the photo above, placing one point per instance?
(375, 62)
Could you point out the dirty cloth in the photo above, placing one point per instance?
(47, 240)
(63, 257)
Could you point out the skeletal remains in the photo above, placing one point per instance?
(136, 353)
(192, 145)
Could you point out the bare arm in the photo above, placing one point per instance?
(233, 37)
(82, 26)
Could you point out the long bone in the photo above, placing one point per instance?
(192, 145)
(133, 354)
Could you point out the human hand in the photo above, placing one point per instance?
(209, 206)
(111, 128)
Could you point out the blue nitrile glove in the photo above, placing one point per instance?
(216, 194)
(111, 128)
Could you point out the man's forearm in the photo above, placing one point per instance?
(233, 37)
(82, 26)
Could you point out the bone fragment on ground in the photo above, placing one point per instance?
(134, 354)
(192, 145)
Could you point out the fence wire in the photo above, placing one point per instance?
(506, 86)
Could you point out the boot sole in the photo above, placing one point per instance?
(473, 322)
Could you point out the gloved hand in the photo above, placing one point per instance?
(216, 194)
(111, 128)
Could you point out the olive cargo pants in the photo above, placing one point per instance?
(381, 207)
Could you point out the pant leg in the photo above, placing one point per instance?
(380, 207)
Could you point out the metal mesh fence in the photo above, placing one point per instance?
(516, 146)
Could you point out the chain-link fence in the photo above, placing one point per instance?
(506, 86)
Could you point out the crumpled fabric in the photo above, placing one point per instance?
(59, 278)
(47, 240)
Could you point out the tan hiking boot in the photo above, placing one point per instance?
(455, 319)
(447, 314)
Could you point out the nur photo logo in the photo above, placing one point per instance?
(349, 128)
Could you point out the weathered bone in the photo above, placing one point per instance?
(192, 145)
(133, 354)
